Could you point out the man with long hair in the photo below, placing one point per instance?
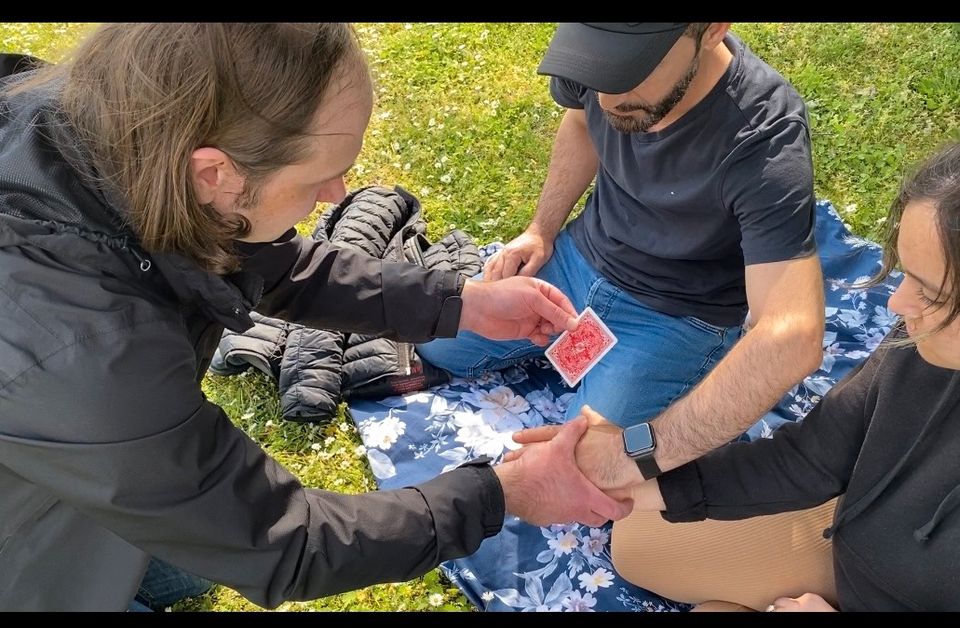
(148, 192)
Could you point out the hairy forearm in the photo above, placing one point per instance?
(767, 362)
(573, 165)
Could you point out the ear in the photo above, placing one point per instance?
(214, 177)
(714, 35)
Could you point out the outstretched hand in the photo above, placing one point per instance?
(545, 486)
(517, 307)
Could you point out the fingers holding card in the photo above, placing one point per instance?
(575, 352)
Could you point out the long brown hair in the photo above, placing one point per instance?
(937, 181)
(142, 97)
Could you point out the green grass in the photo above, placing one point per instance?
(49, 40)
(464, 122)
(880, 96)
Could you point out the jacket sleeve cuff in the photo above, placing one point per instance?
(682, 492)
(420, 304)
(494, 506)
(448, 320)
(467, 507)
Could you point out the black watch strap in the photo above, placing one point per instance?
(648, 466)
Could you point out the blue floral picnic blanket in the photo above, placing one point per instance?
(412, 438)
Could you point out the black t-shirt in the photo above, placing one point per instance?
(675, 215)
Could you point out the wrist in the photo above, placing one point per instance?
(468, 313)
(506, 474)
(547, 234)
(491, 491)
(647, 496)
(640, 445)
(451, 308)
(628, 471)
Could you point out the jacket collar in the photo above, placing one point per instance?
(226, 299)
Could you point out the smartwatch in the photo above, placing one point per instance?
(640, 444)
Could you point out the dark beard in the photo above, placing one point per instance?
(658, 112)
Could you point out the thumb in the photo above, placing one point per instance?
(624, 508)
(605, 506)
(594, 417)
(531, 266)
(784, 604)
(568, 436)
(536, 434)
(554, 306)
(513, 454)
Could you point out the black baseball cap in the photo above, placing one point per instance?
(609, 57)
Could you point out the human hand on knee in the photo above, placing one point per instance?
(806, 603)
(524, 256)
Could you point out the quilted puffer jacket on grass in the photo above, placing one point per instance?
(315, 368)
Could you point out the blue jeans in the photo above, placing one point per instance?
(163, 585)
(657, 357)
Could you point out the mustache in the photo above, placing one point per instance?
(631, 107)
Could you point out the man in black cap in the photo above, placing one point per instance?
(703, 207)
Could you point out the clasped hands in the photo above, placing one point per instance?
(576, 472)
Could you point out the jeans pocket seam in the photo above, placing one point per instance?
(603, 309)
(709, 361)
(705, 326)
(148, 598)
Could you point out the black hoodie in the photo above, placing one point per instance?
(109, 451)
(888, 436)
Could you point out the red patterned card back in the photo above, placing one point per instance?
(575, 352)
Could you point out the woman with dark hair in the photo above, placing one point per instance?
(886, 440)
(148, 192)
(855, 508)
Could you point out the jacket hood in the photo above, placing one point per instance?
(49, 198)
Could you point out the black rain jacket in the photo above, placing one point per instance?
(109, 452)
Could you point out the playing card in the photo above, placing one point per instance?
(575, 352)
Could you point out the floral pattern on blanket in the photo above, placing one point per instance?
(412, 438)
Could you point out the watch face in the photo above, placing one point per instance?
(638, 439)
